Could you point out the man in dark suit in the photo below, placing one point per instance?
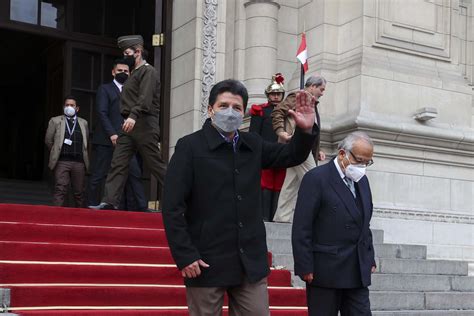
(109, 125)
(212, 210)
(332, 242)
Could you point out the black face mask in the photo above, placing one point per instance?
(121, 77)
(130, 61)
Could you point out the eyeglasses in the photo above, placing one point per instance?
(361, 162)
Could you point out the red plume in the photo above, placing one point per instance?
(279, 78)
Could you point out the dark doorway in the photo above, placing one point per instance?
(24, 101)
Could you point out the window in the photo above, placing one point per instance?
(50, 13)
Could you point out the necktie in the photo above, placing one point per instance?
(350, 185)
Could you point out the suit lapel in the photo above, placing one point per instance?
(364, 198)
(344, 194)
(62, 128)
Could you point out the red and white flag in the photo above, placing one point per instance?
(302, 53)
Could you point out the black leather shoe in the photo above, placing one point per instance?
(103, 206)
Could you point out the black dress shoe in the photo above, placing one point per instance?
(103, 206)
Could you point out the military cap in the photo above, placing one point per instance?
(127, 41)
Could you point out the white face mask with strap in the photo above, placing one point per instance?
(69, 111)
(354, 172)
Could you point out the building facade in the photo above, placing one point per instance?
(400, 70)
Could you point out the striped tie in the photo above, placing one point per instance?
(350, 185)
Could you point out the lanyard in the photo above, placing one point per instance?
(73, 127)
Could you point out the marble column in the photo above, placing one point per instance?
(260, 46)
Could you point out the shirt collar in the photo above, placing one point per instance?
(341, 174)
(119, 86)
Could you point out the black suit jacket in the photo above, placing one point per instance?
(331, 237)
(107, 108)
(212, 207)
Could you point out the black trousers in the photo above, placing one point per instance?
(133, 197)
(144, 138)
(328, 302)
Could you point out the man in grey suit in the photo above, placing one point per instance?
(66, 139)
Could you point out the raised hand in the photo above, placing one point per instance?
(304, 113)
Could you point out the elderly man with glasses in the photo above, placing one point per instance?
(332, 242)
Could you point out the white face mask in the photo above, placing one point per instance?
(353, 172)
(69, 111)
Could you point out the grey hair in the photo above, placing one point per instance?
(348, 142)
(315, 80)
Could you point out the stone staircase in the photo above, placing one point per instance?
(406, 282)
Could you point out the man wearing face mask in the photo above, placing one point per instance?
(108, 127)
(332, 243)
(66, 139)
(140, 109)
(212, 203)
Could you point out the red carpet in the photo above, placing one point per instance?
(64, 261)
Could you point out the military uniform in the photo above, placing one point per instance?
(140, 101)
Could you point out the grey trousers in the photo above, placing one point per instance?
(247, 299)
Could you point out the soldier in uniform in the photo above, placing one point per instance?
(261, 123)
(140, 109)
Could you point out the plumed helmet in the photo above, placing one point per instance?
(276, 85)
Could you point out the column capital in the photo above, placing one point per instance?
(248, 3)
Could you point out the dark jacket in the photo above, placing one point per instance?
(212, 207)
(261, 121)
(107, 109)
(331, 236)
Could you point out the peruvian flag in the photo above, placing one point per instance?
(302, 53)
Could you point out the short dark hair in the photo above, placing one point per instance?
(69, 97)
(119, 61)
(229, 85)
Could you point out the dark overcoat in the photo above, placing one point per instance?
(331, 237)
(212, 207)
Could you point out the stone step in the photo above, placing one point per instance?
(282, 255)
(421, 282)
(450, 300)
(392, 300)
(279, 245)
(278, 230)
(425, 313)
(421, 266)
(400, 251)
(283, 231)
(463, 283)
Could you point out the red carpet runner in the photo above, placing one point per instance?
(63, 261)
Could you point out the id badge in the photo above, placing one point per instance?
(68, 142)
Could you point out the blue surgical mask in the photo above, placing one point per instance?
(228, 120)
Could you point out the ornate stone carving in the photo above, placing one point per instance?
(423, 216)
(209, 44)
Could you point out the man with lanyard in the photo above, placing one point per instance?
(140, 107)
(66, 138)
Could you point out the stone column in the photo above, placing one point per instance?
(260, 46)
